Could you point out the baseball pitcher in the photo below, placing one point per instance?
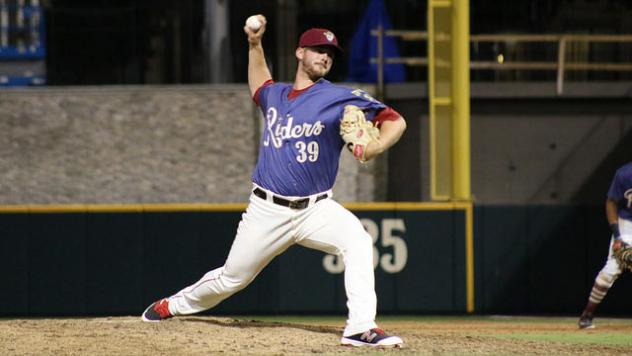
(306, 126)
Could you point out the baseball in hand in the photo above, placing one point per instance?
(253, 23)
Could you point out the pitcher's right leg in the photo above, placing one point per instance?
(263, 233)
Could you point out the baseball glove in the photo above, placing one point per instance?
(357, 132)
(623, 255)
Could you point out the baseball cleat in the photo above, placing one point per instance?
(157, 311)
(375, 337)
(586, 322)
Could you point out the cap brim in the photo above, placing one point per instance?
(326, 44)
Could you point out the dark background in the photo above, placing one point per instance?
(161, 42)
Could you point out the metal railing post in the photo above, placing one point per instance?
(380, 63)
(561, 59)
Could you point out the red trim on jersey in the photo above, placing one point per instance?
(293, 93)
(387, 114)
(255, 97)
(296, 92)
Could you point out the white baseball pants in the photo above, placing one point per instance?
(612, 267)
(265, 231)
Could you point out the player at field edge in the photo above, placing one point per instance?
(619, 215)
(291, 201)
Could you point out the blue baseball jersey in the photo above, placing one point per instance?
(621, 191)
(301, 145)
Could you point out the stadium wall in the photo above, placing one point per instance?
(529, 145)
(108, 260)
(534, 253)
(198, 143)
(103, 261)
(141, 144)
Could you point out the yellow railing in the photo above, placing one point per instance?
(560, 65)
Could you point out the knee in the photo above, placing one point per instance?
(233, 283)
(361, 243)
(605, 280)
(232, 286)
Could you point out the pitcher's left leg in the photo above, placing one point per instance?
(331, 228)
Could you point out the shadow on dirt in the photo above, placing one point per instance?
(229, 322)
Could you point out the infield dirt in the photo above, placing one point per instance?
(203, 335)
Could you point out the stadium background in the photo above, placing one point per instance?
(133, 116)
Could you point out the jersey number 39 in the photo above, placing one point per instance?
(306, 151)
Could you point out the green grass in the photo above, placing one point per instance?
(613, 338)
(598, 336)
(432, 318)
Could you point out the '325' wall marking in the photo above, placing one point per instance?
(390, 237)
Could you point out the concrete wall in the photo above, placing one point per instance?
(140, 145)
(540, 158)
(198, 144)
(528, 144)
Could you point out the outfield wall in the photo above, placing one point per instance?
(102, 260)
(82, 262)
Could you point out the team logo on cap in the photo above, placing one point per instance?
(330, 36)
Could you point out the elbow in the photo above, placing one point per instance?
(402, 124)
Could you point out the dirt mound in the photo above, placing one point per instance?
(227, 336)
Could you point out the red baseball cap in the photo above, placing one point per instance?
(319, 37)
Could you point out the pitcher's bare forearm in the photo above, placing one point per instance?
(390, 133)
(258, 72)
